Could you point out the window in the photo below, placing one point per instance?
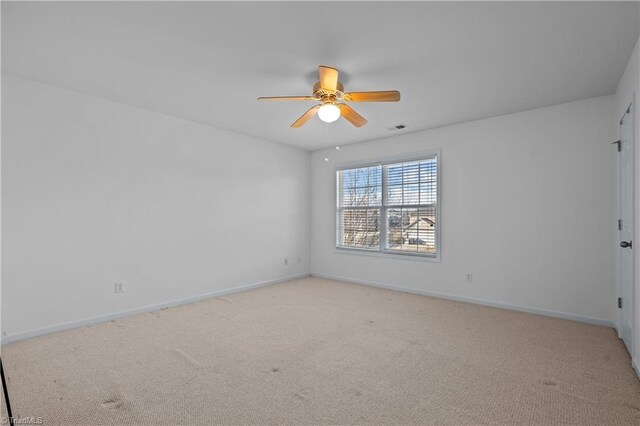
(389, 207)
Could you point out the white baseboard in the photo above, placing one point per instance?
(563, 315)
(149, 308)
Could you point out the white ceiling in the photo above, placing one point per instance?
(208, 62)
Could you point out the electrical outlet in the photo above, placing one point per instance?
(286, 261)
(118, 287)
(469, 278)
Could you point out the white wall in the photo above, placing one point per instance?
(626, 93)
(95, 192)
(527, 208)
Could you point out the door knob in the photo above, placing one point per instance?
(625, 244)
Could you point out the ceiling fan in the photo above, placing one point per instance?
(329, 91)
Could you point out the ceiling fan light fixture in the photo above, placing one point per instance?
(329, 113)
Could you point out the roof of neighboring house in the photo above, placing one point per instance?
(420, 223)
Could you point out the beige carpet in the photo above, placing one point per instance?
(319, 351)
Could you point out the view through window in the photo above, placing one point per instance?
(389, 207)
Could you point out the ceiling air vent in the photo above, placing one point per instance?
(397, 127)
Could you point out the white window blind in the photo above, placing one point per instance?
(389, 207)
(359, 202)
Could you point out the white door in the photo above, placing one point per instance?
(626, 243)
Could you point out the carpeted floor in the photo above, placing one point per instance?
(320, 351)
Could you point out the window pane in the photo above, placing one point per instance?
(412, 230)
(360, 228)
(360, 187)
(412, 183)
(428, 181)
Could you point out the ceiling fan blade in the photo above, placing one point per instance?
(351, 115)
(384, 96)
(287, 98)
(305, 117)
(328, 77)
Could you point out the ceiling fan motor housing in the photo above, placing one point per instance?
(328, 95)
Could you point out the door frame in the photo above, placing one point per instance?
(634, 291)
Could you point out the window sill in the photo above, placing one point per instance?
(387, 255)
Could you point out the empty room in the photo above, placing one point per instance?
(328, 213)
